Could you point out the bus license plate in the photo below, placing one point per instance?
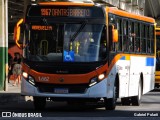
(61, 90)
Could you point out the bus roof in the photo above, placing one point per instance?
(129, 15)
(67, 3)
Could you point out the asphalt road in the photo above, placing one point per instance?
(149, 108)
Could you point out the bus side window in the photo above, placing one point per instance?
(119, 28)
(103, 44)
(112, 21)
(131, 36)
(125, 36)
(137, 37)
(148, 39)
(111, 44)
(152, 38)
(143, 40)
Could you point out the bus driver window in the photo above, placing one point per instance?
(103, 44)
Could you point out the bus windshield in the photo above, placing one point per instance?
(66, 43)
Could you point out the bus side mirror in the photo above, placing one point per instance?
(17, 33)
(114, 35)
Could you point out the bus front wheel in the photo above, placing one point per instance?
(39, 103)
(110, 103)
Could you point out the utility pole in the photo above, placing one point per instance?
(3, 44)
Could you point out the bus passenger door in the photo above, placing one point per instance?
(121, 66)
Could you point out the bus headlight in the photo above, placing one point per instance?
(93, 81)
(25, 75)
(31, 80)
(101, 76)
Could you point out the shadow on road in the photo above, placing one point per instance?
(156, 90)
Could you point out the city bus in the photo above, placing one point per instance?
(86, 52)
(157, 74)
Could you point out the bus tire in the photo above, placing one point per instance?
(125, 101)
(110, 103)
(39, 103)
(136, 100)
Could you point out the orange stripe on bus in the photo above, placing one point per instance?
(116, 58)
(67, 78)
(66, 3)
(130, 15)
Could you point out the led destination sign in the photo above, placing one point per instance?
(38, 27)
(65, 11)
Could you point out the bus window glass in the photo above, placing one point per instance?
(143, 40)
(151, 38)
(65, 43)
(158, 42)
(147, 38)
(85, 44)
(112, 23)
(103, 45)
(131, 36)
(43, 40)
(119, 28)
(125, 36)
(137, 37)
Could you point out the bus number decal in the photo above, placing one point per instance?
(43, 78)
(46, 12)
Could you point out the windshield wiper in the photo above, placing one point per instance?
(78, 31)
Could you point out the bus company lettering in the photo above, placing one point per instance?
(38, 27)
(66, 12)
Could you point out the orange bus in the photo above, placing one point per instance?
(157, 77)
(86, 52)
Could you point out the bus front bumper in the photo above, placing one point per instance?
(97, 91)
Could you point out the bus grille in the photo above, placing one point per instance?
(49, 88)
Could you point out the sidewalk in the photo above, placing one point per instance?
(12, 89)
(13, 94)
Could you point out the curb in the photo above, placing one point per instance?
(13, 97)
